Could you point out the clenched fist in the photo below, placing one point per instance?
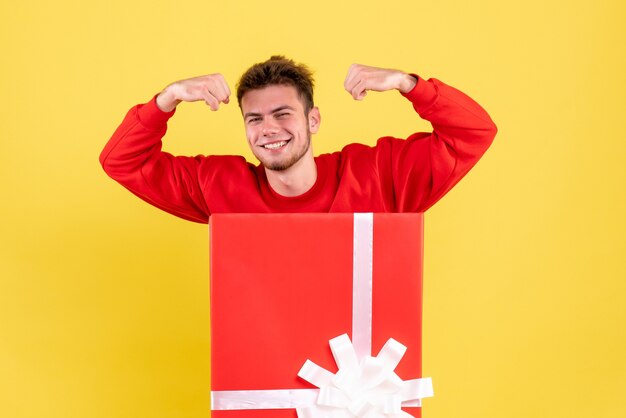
(362, 78)
(211, 88)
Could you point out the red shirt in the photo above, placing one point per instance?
(396, 175)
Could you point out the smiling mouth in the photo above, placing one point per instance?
(275, 145)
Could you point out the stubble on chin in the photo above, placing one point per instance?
(284, 165)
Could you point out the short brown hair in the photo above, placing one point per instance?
(278, 70)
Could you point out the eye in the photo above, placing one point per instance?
(253, 120)
(282, 115)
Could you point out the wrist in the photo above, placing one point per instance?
(166, 101)
(407, 83)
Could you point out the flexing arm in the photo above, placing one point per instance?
(425, 166)
(133, 155)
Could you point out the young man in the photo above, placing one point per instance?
(276, 101)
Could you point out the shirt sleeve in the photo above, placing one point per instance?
(133, 157)
(425, 166)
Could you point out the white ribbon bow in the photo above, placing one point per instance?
(366, 389)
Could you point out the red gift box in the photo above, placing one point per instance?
(284, 285)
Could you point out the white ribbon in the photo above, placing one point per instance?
(364, 386)
(263, 399)
(362, 264)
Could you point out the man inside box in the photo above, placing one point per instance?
(276, 101)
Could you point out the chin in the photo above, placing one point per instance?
(278, 166)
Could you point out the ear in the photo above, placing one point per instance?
(314, 120)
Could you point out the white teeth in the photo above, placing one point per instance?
(275, 145)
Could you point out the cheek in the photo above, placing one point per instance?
(295, 126)
(250, 134)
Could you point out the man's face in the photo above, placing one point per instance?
(278, 131)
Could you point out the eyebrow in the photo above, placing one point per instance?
(278, 109)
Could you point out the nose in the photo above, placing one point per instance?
(269, 127)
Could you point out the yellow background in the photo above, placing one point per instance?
(104, 299)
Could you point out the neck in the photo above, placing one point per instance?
(297, 179)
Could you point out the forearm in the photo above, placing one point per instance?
(457, 120)
(133, 157)
(137, 139)
(427, 165)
